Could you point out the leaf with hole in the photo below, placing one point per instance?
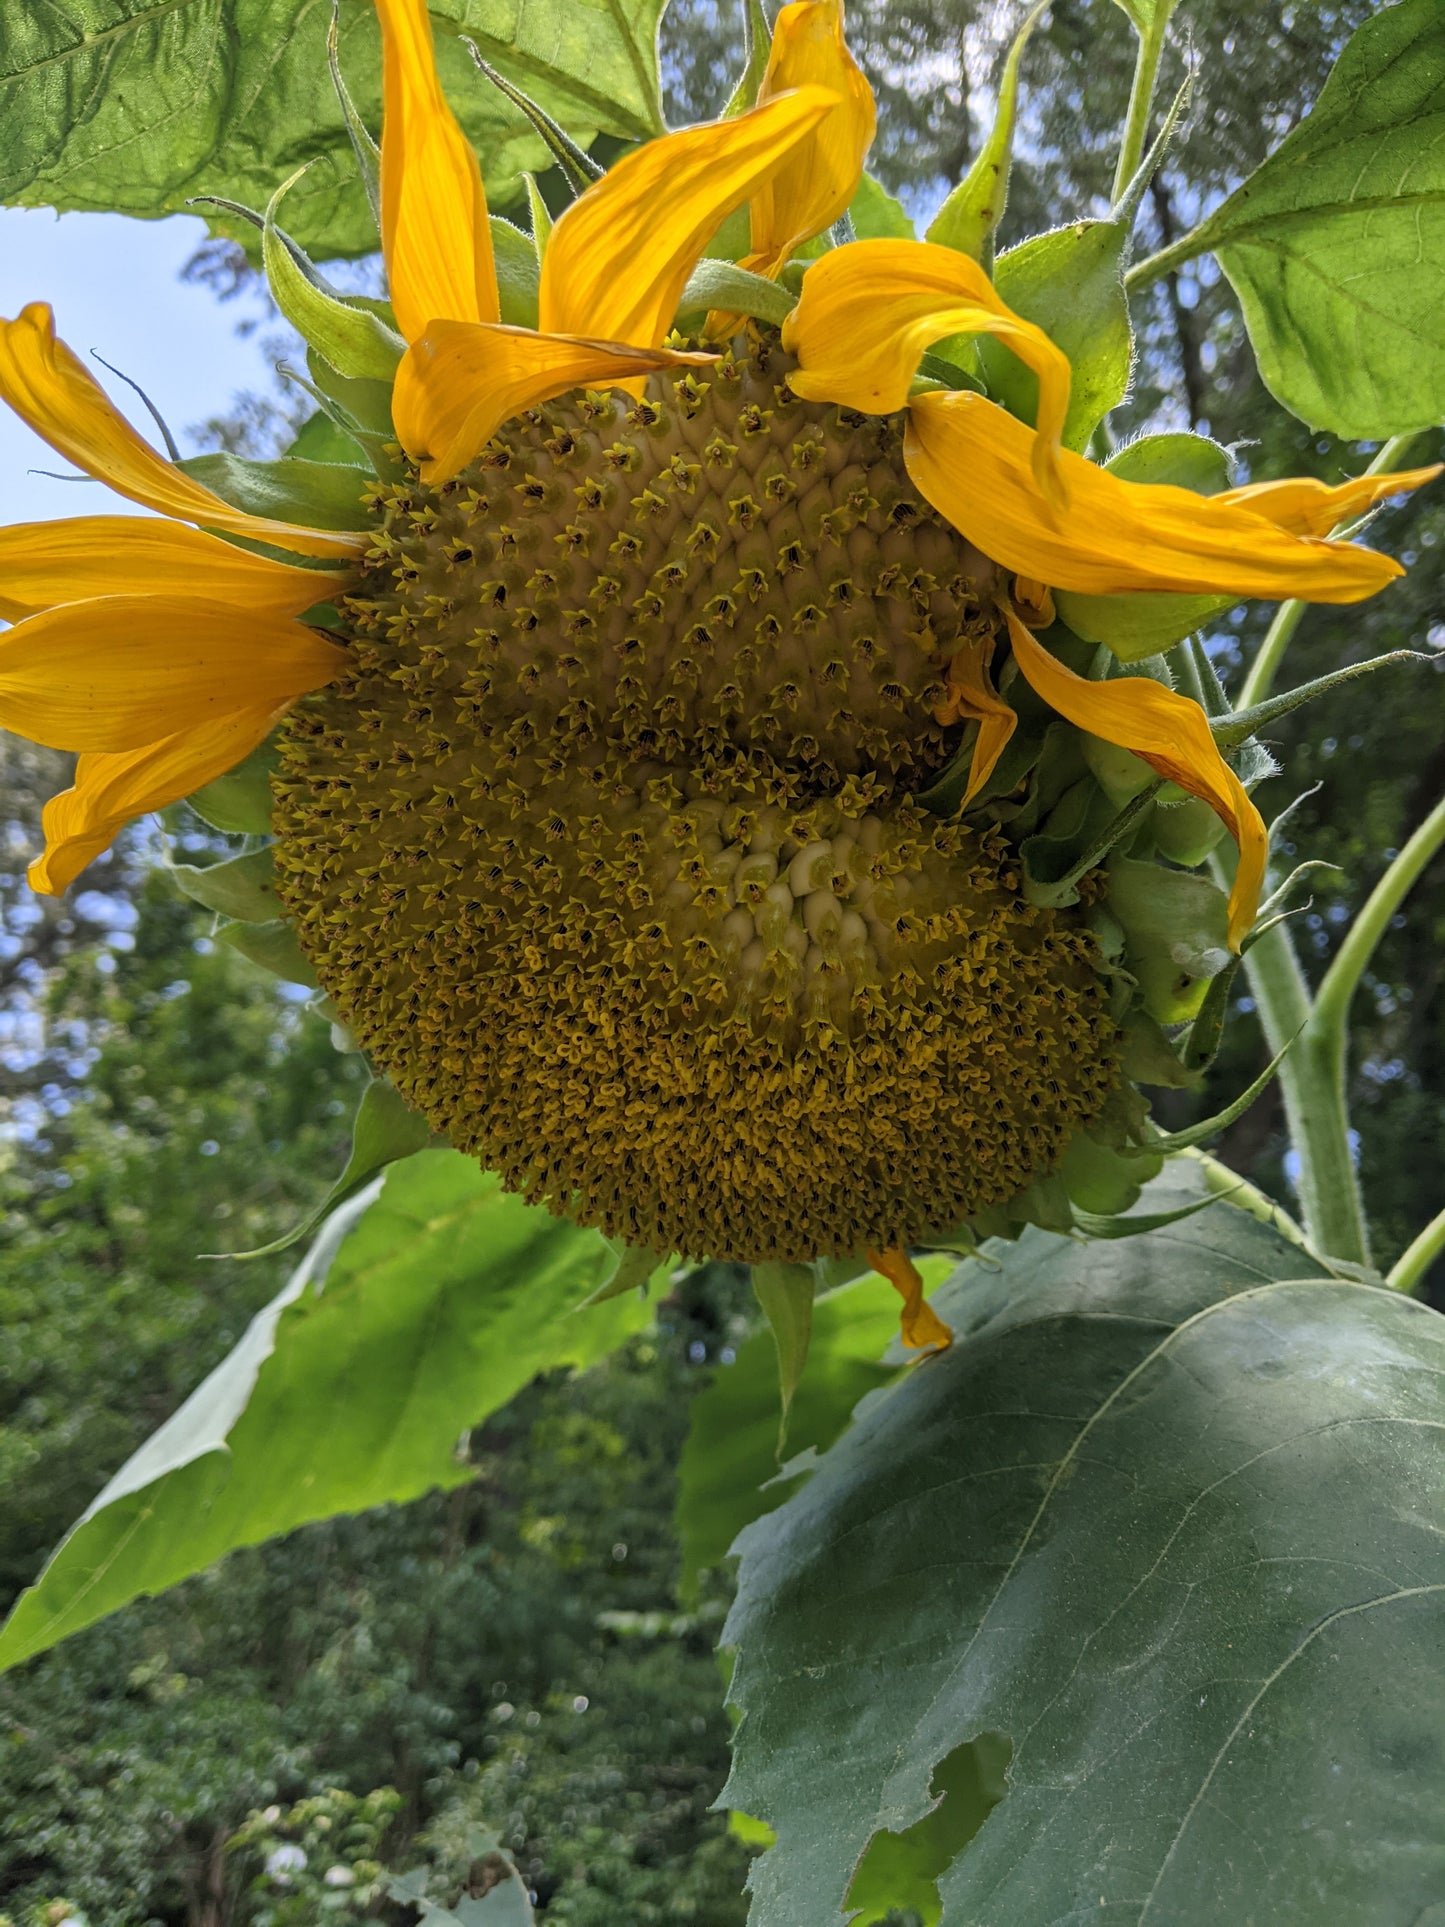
(1169, 1519)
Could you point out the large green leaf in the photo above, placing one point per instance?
(135, 105)
(1336, 246)
(1166, 1519)
(446, 1296)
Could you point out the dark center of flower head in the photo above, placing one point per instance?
(604, 847)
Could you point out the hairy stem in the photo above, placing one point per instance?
(1141, 100)
(1280, 634)
(1332, 1003)
(1418, 1256)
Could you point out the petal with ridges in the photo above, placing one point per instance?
(50, 390)
(821, 176)
(111, 788)
(461, 381)
(973, 463)
(46, 563)
(1171, 733)
(1307, 507)
(869, 311)
(969, 694)
(435, 237)
(617, 260)
(119, 672)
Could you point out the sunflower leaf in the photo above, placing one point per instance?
(1336, 245)
(443, 1296)
(130, 106)
(1170, 1512)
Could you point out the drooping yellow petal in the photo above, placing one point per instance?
(617, 260)
(973, 463)
(46, 563)
(969, 694)
(50, 390)
(919, 1323)
(1171, 733)
(460, 382)
(120, 672)
(435, 235)
(869, 311)
(821, 176)
(111, 788)
(1307, 507)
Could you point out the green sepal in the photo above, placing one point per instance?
(1171, 1141)
(636, 1269)
(785, 1293)
(320, 439)
(1070, 282)
(515, 258)
(575, 164)
(320, 495)
(1148, 1057)
(757, 45)
(735, 290)
(1104, 1225)
(274, 946)
(969, 218)
(243, 887)
(1045, 1203)
(1234, 729)
(541, 218)
(356, 342)
(1055, 865)
(240, 801)
(386, 1129)
(1186, 832)
(368, 154)
(1201, 1046)
(1177, 926)
(1101, 1180)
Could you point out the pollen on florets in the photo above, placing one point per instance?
(604, 852)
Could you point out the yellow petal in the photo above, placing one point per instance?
(821, 176)
(460, 382)
(1171, 733)
(45, 563)
(617, 260)
(122, 671)
(49, 389)
(111, 788)
(919, 1323)
(1307, 507)
(868, 312)
(969, 694)
(435, 236)
(973, 463)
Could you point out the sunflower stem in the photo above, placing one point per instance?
(1141, 101)
(1278, 637)
(1312, 1084)
(1342, 979)
(1418, 1256)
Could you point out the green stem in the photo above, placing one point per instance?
(1342, 979)
(1144, 273)
(1312, 1083)
(1280, 634)
(1141, 100)
(1418, 1256)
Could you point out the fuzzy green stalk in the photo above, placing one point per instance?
(1418, 1256)
(1141, 99)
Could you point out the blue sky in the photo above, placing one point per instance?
(114, 285)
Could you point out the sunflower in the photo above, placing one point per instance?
(602, 807)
